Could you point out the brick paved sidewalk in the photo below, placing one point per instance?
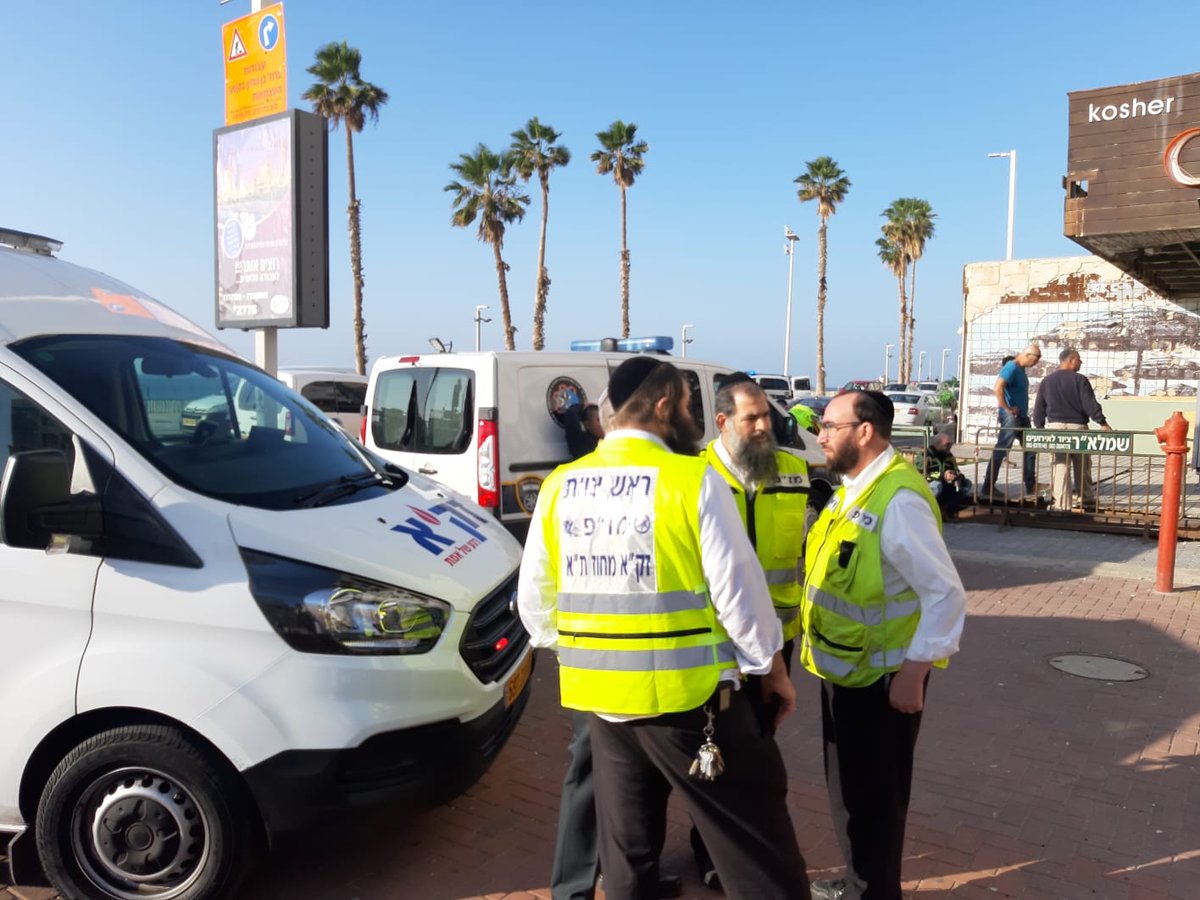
(1030, 783)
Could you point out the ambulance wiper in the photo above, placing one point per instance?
(343, 487)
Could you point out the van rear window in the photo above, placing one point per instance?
(424, 410)
(335, 396)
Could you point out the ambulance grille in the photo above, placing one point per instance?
(494, 624)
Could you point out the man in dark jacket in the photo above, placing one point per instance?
(1066, 401)
(946, 482)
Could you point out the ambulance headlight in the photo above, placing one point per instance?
(318, 610)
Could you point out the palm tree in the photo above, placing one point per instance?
(891, 253)
(488, 191)
(621, 154)
(533, 150)
(910, 220)
(341, 96)
(826, 183)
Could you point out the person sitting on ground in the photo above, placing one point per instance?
(946, 482)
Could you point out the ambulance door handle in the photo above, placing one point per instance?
(427, 470)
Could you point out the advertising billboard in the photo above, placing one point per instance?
(271, 223)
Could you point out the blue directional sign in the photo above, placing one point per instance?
(268, 32)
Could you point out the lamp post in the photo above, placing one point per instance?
(945, 353)
(1012, 194)
(920, 364)
(790, 249)
(479, 319)
(684, 340)
(887, 360)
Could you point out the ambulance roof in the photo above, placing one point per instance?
(40, 294)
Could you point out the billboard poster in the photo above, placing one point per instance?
(254, 213)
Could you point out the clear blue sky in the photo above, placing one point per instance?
(109, 110)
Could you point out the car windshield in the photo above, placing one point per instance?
(772, 384)
(211, 423)
(905, 398)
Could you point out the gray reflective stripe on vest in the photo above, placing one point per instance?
(632, 604)
(787, 614)
(643, 660)
(865, 615)
(831, 664)
(888, 659)
(781, 576)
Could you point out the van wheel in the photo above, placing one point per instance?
(141, 812)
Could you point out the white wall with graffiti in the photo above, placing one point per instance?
(1133, 342)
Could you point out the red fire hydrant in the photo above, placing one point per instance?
(1172, 437)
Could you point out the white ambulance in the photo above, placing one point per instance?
(490, 424)
(211, 635)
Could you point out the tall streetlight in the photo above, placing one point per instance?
(790, 249)
(1012, 193)
(920, 364)
(945, 353)
(684, 340)
(887, 360)
(479, 319)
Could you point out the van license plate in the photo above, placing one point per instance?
(516, 684)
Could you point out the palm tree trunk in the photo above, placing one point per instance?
(912, 313)
(822, 259)
(501, 269)
(360, 345)
(624, 271)
(543, 280)
(904, 363)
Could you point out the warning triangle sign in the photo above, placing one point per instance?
(237, 49)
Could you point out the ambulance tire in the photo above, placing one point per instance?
(144, 812)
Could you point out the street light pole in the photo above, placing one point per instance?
(887, 360)
(684, 340)
(478, 320)
(945, 353)
(1012, 194)
(920, 364)
(790, 249)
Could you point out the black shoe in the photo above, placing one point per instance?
(670, 886)
(712, 880)
(827, 889)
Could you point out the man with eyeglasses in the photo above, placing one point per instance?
(1012, 401)
(883, 605)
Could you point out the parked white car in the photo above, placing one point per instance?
(915, 409)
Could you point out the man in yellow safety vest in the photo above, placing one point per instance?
(638, 572)
(882, 605)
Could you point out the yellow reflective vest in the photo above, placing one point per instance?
(852, 632)
(774, 518)
(637, 632)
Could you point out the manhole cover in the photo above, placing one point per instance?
(1101, 668)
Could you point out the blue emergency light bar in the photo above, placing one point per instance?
(660, 344)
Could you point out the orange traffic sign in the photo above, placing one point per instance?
(255, 65)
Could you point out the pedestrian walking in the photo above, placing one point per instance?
(637, 570)
(883, 604)
(1012, 399)
(1065, 402)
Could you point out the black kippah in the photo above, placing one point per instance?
(724, 381)
(628, 377)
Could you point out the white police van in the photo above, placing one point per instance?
(489, 424)
(211, 635)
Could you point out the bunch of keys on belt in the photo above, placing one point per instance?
(708, 763)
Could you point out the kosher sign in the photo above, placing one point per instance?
(255, 65)
(1054, 441)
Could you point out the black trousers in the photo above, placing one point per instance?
(868, 769)
(742, 815)
(576, 845)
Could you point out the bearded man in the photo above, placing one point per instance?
(637, 572)
(883, 604)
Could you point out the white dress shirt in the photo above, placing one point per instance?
(914, 555)
(737, 586)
